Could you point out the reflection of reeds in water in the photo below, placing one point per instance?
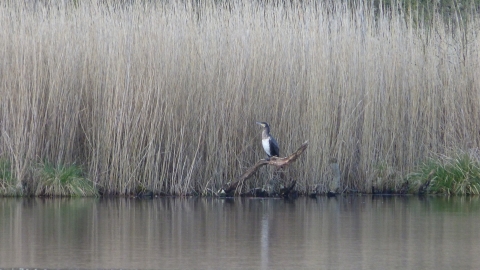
(166, 96)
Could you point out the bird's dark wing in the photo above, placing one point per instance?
(274, 149)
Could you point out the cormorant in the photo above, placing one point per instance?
(270, 145)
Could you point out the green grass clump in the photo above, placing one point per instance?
(63, 181)
(459, 175)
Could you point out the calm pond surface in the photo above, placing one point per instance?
(352, 232)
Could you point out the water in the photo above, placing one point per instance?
(353, 232)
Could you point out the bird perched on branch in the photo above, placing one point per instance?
(270, 145)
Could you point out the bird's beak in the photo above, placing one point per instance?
(259, 123)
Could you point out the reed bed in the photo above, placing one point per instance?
(165, 96)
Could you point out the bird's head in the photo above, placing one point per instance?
(263, 124)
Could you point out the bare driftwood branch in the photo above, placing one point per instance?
(275, 161)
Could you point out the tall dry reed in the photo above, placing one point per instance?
(164, 96)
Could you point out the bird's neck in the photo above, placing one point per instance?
(265, 133)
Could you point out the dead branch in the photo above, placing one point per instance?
(275, 161)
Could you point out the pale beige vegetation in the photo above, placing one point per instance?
(165, 97)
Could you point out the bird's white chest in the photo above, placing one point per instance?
(266, 146)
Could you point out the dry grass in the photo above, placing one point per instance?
(166, 96)
(8, 185)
